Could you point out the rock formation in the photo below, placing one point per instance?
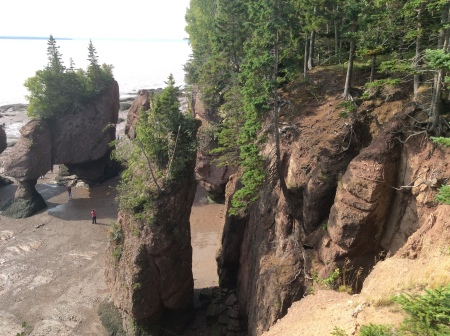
(353, 189)
(363, 202)
(149, 263)
(141, 103)
(212, 177)
(81, 141)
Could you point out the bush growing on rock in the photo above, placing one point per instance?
(164, 144)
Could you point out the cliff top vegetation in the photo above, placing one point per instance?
(244, 52)
(57, 90)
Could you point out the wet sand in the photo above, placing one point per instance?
(52, 264)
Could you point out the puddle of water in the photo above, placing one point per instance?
(59, 209)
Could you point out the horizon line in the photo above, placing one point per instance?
(184, 39)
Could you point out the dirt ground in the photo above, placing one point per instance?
(52, 264)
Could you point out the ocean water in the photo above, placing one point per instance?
(137, 64)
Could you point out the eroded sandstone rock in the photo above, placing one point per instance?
(141, 103)
(31, 156)
(80, 140)
(363, 202)
(152, 276)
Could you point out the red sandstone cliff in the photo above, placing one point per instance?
(356, 193)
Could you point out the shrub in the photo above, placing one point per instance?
(377, 330)
(159, 156)
(429, 314)
(441, 141)
(443, 195)
(338, 332)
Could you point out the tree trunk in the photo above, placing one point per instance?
(443, 36)
(417, 58)
(348, 78)
(374, 59)
(336, 34)
(436, 104)
(305, 61)
(311, 50)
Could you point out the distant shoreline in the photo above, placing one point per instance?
(185, 40)
(32, 38)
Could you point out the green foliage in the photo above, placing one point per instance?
(55, 90)
(348, 107)
(329, 282)
(117, 252)
(443, 195)
(25, 329)
(396, 65)
(441, 141)
(437, 59)
(379, 83)
(377, 330)
(159, 155)
(233, 119)
(166, 135)
(429, 314)
(115, 233)
(337, 331)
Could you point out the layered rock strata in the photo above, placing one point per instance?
(149, 269)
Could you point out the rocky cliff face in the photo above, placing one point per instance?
(149, 268)
(140, 103)
(80, 140)
(353, 197)
(209, 174)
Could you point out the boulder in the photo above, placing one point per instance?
(363, 201)
(26, 202)
(141, 103)
(211, 177)
(86, 134)
(31, 157)
(79, 141)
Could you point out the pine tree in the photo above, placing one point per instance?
(55, 62)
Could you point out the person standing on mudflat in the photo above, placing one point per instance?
(69, 190)
(94, 216)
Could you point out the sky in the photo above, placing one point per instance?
(95, 19)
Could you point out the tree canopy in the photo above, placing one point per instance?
(56, 90)
(244, 51)
(158, 156)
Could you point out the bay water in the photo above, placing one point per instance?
(138, 64)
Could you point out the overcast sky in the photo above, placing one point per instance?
(134, 19)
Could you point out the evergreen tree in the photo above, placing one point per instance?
(55, 62)
(56, 90)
